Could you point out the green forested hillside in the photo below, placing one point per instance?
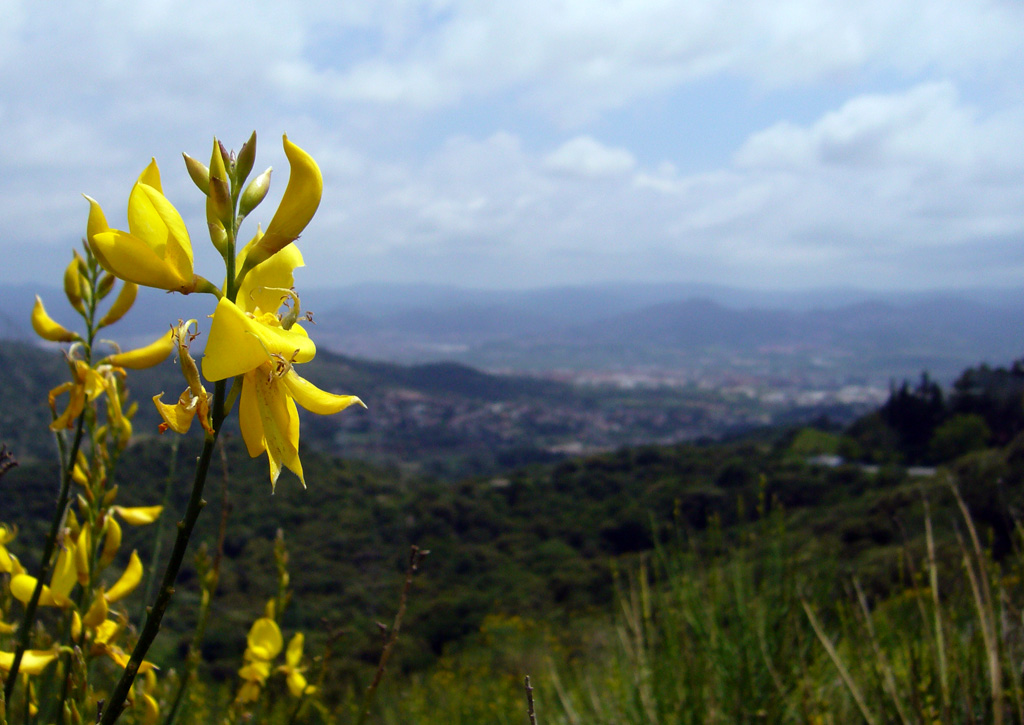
(544, 542)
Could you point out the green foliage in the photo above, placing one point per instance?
(963, 433)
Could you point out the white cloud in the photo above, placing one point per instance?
(584, 156)
(440, 128)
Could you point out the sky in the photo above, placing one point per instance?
(787, 144)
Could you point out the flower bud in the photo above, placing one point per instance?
(144, 357)
(48, 328)
(218, 200)
(244, 161)
(73, 284)
(111, 542)
(122, 303)
(104, 286)
(110, 496)
(254, 193)
(199, 173)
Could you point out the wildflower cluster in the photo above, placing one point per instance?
(70, 610)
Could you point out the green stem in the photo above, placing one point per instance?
(158, 543)
(115, 703)
(43, 570)
(209, 588)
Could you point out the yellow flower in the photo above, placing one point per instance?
(293, 657)
(63, 580)
(33, 661)
(129, 580)
(264, 353)
(156, 251)
(138, 515)
(194, 400)
(48, 328)
(146, 356)
(8, 562)
(264, 640)
(86, 384)
(103, 638)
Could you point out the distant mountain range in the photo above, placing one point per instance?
(825, 336)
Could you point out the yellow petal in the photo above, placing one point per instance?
(264, 639)
(144, 357)
(255, 671)
(275, 272)
(82, 549)
(121, 657)
(6, 628)
(314, 399)
(238, 343)
(128, 581)
(298, 204)
(33, 661)
(76, 403)
(111, 542)
(22, 587)
(296, 683)
(122, 303)
(178, 247)
(151, 176)
(138, 515)
(132, 259)
(97, 223)
(150, 710)
(178, 417)
(97, 613)
(249, 416)
(47, 328)
(293, 655)
(280, 425)
(65, 575)
(106, 632)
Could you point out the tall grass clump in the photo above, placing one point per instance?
(773, 629)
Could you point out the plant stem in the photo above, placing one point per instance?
(415, 557)
(43, 571)
(209, 588)
(115, 703)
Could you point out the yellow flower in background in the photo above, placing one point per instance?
(48, 328)
(264, 640)
(264, 352)
(86, 385)
(297, 684)
(146, 356)
(63, 580)
(264, 643)
(128, 581)
(33, 661)
(156, 251)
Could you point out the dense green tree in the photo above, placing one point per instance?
(959, 435)
(995, 394)
(914, 414)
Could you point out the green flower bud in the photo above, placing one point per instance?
(73, 284)
(254, 193)
(105, 284)
(218, 201)
(244, 161)
(199, 173)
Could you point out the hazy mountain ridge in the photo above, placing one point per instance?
(697, 330)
